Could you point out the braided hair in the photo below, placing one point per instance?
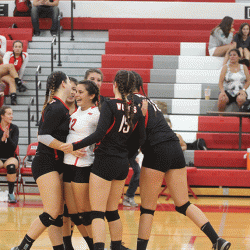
(92, 89)
(139, 86)
(126, 84)
(18, 41)
(54, 81)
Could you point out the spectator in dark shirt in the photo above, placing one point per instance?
(9, 134)
(45, 8)
(242, 40)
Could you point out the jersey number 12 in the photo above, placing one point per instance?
(124, 127)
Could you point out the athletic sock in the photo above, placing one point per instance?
(99, 246)
(116, 245)
(11, 187)
(59, 247)
(68, 243)
(26, 243)
(209, 231)
(141, 244)
(18, 81)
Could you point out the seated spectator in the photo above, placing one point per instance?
(45, 8)
(242, 40)
(3, 45)
(233, 82)
(9, 134)
(19, 59)
(220, 41)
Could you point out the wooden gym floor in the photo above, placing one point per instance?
(171, 231)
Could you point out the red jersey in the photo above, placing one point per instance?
(19, 63)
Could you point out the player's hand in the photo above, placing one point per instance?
(242, 92)
(79, 153)
(144, 107)
(67, 148)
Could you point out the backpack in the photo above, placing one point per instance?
(199, 144)
(22, 8)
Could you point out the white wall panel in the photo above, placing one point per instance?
(184, 122)
(181, 106)
(188, 137)
(187, 90)
(193, 49)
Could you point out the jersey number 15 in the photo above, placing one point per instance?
(124, 127)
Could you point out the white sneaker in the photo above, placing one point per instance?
(129, 202)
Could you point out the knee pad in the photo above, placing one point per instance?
(76, 219)
(146, 211)
(11, 169)
(46, 219)
(97, 215)
(58, 222)
(85, 218)
(65, 211)
(183, 208)
(112, 215)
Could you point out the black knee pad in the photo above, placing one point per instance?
(85, 218)
(112, 215)
(11, 169)
(58, 222)
(76, 219)
(97, 215)
(46, 219)
(146, 211)
(183, 208)
(65, 211)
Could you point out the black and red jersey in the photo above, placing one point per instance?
(113, 131)
(157, 129)
(55, 122)
(8, 147)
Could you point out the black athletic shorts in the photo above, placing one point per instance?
(76, 174)
(110, 167)
(43, 164)
(232, 98)
(164, 156)
(4, 159)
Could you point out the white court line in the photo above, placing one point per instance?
(223, 219)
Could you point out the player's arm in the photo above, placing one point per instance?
(104, 123)
(52, 119)
(25, 61)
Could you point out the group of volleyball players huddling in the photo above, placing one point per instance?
(82, 162)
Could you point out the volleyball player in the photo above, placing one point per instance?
(9, 134)
(19, 59)
(68, 225)
(163, 158)
(47, 164)
(118, 117)
(96, 76)
(82, 123)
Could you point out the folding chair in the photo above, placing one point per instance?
(3, 172)
(26, 176)
(190, 191)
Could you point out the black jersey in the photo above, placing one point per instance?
(8, 147)
(113, 131)
(157, 129)
(103, 98)
(55, 122)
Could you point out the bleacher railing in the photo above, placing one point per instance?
(53, 56)
(38, 86)
(59, 39)
(73, 6)
(30, 118)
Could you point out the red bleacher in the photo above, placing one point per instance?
(17, 33)
(143, 48)
(143, 35)
(87, 23)
(126, 61)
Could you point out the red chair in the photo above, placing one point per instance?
(26, 176)
(3, 171)
(190, 191)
